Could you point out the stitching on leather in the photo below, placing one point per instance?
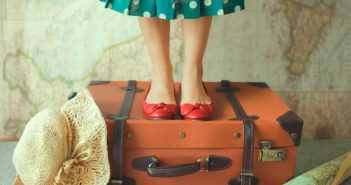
(173, 167)
(161, 170)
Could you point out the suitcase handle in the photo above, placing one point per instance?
(152, 165)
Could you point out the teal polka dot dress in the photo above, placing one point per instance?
(175, 9)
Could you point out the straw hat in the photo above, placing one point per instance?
(65, 146)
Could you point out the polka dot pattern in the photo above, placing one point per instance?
(237, 8)
(146, 14)
(162, 16)
(207, 2)
(192, 4)
(135, 2)
(180, 16)
(176, 9)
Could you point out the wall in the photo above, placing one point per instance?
(300, 48)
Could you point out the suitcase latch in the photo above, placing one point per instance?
(268, 154)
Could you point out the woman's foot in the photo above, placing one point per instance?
(193, 90)
(162, 87)
(195, 102)
(159, 101)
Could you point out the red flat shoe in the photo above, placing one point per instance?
(158, 110)
(197, 111)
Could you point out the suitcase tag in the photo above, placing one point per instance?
(267, 154)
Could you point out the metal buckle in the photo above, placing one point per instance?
(153, 163)
(116, 182)
(246, 174)
(204, 166)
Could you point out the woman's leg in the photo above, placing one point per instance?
(156, 36)
(195, 33)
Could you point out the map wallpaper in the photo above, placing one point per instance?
(301, 48)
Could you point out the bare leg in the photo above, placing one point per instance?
(156, 36)
(195, 32)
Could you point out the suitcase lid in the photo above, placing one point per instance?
(275, 121)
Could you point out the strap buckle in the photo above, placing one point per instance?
(203, 162)
(154, 162)
(116, 182)
(246, 174)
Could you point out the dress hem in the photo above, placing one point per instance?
(131, 11)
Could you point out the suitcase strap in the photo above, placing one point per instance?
(118, 135)
(246, 177)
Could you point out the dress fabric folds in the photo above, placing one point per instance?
(175, 9)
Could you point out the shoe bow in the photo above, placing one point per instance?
(153, 107)
(187, 108)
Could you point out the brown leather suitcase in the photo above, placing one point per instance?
(252, 138)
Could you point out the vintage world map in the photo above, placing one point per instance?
(301, 48)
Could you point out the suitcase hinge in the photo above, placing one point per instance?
(268, 154)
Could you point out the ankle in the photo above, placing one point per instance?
(192, 79)
(192, 74)
(163, 83)
(162, 74)
(162, 68)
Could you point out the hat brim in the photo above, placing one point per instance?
(17, 181)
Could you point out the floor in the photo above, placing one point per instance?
(311, 153)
